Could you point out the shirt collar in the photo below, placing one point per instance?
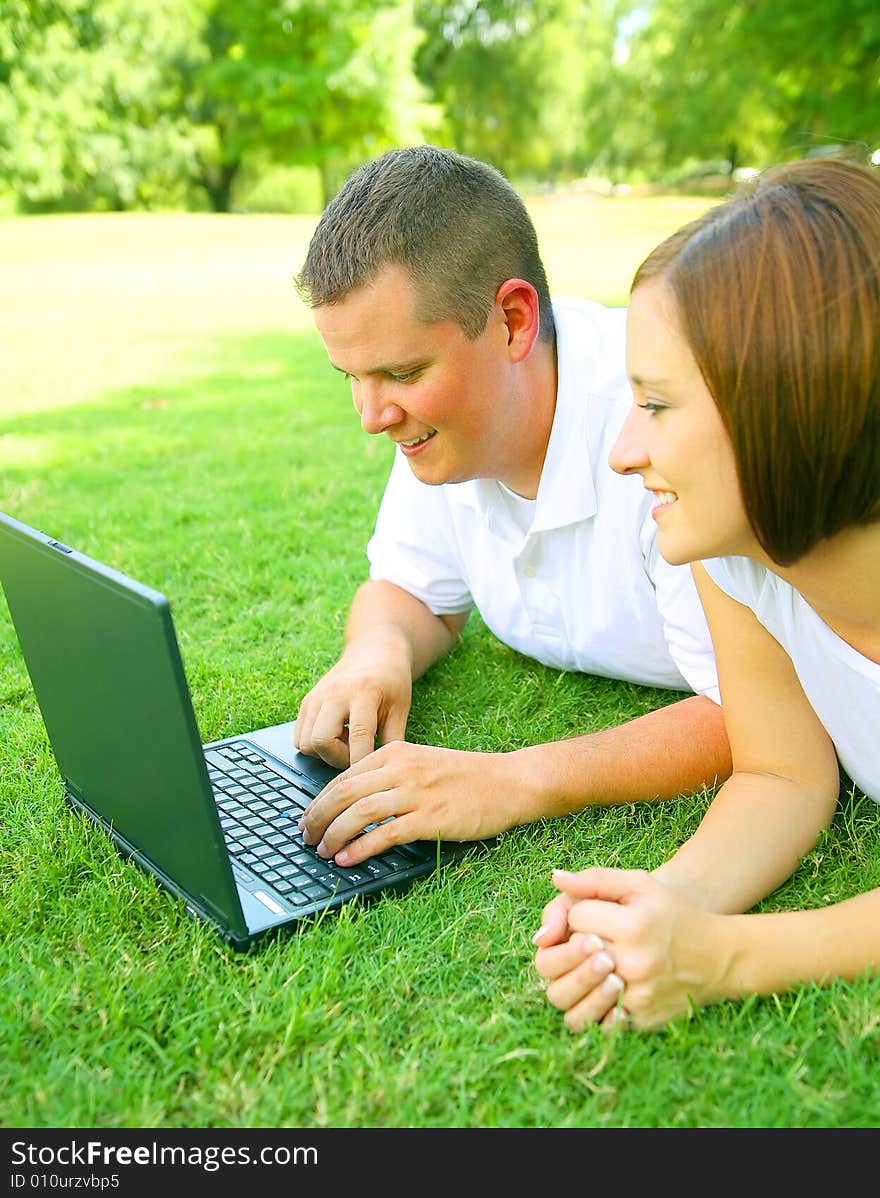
(566, 492)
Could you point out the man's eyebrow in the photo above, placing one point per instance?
(392, 368)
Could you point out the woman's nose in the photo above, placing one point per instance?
(628, 454)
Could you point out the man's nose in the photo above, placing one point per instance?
(628, 454)
(376, 410)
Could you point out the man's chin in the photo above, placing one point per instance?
(431, 478)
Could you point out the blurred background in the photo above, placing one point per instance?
(266, 106)
(167, 406)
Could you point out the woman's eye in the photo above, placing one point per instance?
(650, 406)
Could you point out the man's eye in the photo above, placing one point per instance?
(406, 377)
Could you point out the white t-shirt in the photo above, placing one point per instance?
(842, 685)
(573, 579)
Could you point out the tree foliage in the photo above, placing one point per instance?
(117, 103)
(506, 79)
(88, 109)
(139, 103)
(305, 82)
(740, 80)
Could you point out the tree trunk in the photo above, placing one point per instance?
(218, 184)
(328, 182)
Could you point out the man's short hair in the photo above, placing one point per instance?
(777, 292)
(455, 224)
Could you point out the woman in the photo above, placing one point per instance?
(753, 347)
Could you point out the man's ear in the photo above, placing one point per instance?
(521, 311)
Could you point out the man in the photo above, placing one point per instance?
(429, 293)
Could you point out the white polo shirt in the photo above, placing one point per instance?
(842, 685)
(574, 579)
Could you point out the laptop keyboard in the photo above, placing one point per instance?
(259, 812)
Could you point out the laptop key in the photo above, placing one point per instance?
(394, 860)
(333, 882)
(374, 867)
(413, 852)
(314, 890)
(354, 876)
(297, 796)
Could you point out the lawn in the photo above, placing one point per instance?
(168, 408)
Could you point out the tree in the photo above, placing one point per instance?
(615, 139)
(828, 57)
(124, 103)
(511, 76)
(85, 107)
(304, 82)
(738, 80)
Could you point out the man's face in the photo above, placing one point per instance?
(450, 403)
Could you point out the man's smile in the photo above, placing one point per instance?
(415, 442)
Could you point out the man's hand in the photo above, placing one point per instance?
(668, 954)
(365, 696)
(390, 639)
(430, 791)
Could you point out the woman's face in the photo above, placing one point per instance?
(675, 438)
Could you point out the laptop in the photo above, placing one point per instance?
(216, 823)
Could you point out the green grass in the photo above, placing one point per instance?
(168, 408)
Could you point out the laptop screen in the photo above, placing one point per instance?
(105, 666)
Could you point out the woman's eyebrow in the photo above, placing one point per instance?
(640, 381)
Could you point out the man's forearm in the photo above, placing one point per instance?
(382, 611)
(670, 751)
